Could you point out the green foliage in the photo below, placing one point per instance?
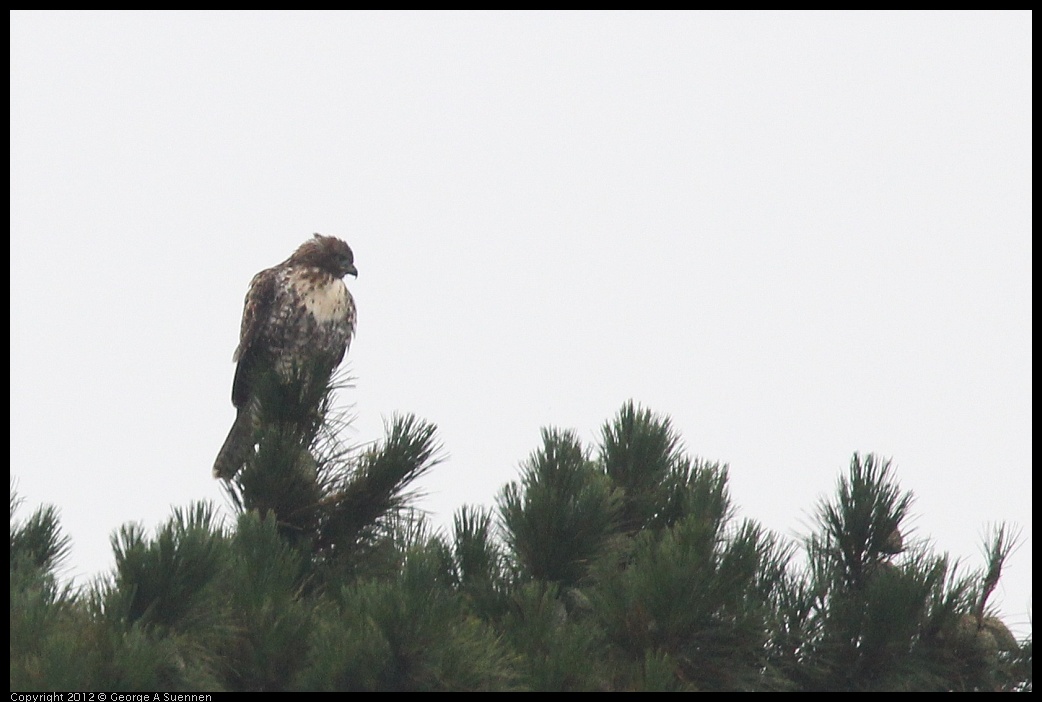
(559, 517)
(641, 455)
(38, 543)
(163, 613)
(362, 505)
(859, 525)
(47, 649)
(876, 615)
(270, 621)
(340, 507)
(560, 645)
(695, 597)
(407, 634)
(480, 569)
(171, 581)
(617, 567)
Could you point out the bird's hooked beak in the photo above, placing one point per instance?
(351, 270)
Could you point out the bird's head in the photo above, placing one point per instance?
(328, 253)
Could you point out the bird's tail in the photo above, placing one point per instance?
(236, 448)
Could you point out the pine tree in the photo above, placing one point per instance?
(46, 654)
(873, 613)
(618, 566)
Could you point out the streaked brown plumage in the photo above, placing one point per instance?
(298, 315)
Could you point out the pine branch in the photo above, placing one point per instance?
(38, 542)
(559, 517)
(378, 489)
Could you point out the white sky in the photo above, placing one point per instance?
(799, 235)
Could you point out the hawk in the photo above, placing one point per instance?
(299, 316)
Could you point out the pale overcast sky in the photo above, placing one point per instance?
(798, 235)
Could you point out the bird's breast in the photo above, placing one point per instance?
(327, 303)
(324, 298)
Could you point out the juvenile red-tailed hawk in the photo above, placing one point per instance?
(299, 315)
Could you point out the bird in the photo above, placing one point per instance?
(299, 316)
